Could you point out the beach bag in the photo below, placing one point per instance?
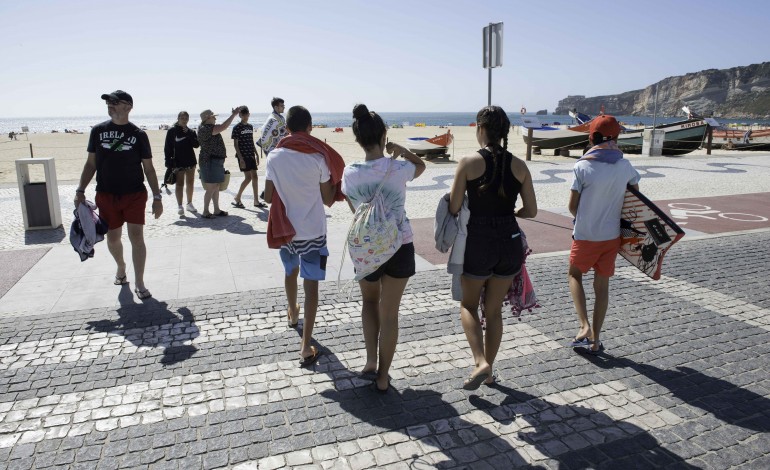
(373, 237)
(225, 182)
(169, 179)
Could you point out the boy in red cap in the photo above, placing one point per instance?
(596, 199)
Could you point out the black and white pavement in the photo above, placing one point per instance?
(213, 381)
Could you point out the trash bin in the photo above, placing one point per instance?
(40, 199)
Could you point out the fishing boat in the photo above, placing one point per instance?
(547, 137)
(738, 139)
(435, 145)
(679, 138)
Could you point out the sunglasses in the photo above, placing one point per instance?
(114, 102)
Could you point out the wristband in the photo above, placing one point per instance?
(80, 191)
(157, 197)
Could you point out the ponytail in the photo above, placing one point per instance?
(496, 123)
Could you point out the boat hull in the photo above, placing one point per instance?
(733, 139)
(557, 139)
(680, 138)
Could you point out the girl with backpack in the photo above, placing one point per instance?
(493, 179)
(381, 291)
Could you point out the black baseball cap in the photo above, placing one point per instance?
(119, 95)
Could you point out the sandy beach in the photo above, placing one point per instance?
(69, 150)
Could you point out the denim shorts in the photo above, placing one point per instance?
(400, 265)
(312, 265)
(493, 248)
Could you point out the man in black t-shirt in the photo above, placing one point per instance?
(246, 152)
(119, 154)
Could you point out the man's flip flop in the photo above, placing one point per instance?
(142, 294)
(261, 205)
(473, 383)
(221, 213)
(238, 204)
(120, 280)
(311, 359)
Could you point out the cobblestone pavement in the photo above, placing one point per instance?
(213, 382)
(662, 178)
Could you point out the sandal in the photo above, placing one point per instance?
(260, 204)
(207, 216)
(142, 294)
(473, 383)
(580, 342)
(238, 204)
(120, 280)
(597, 351)
(311, 359)
(221, 213)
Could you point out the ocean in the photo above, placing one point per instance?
(154, 121)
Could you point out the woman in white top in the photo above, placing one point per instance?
(381, 291)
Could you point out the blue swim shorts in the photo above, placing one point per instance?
(312, 265)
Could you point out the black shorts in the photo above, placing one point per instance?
(250, 163)
(399, 266)
(493, 248)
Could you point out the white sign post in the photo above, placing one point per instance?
(493, 51)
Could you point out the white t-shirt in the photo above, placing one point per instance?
(360, 181)
(602, 187)
(296, 176)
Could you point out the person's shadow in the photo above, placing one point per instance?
(231, 223)
(152, 325)
(424, 415)
(624, 444)
(724, 400)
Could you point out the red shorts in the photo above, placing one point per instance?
(119, 209)
(586, 254)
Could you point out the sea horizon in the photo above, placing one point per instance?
(339, 119)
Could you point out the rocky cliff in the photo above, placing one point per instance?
(735, 92)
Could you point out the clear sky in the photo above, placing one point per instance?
(58, 57)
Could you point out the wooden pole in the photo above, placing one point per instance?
(708, 142)
(31, 155)
(529, 144)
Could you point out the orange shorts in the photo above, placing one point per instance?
(586, 254)
(119, 209)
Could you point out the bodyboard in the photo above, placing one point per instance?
(646, 233)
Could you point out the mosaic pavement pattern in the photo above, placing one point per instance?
(214, 382)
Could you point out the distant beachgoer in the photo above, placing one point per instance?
(493, 179)
(120, 156)
(180, 156)
(248, 161)
(381, 291)
(302, 175)
(274, 128)
(212, 158)
(596, 200)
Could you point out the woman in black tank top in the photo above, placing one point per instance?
(493, 179)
